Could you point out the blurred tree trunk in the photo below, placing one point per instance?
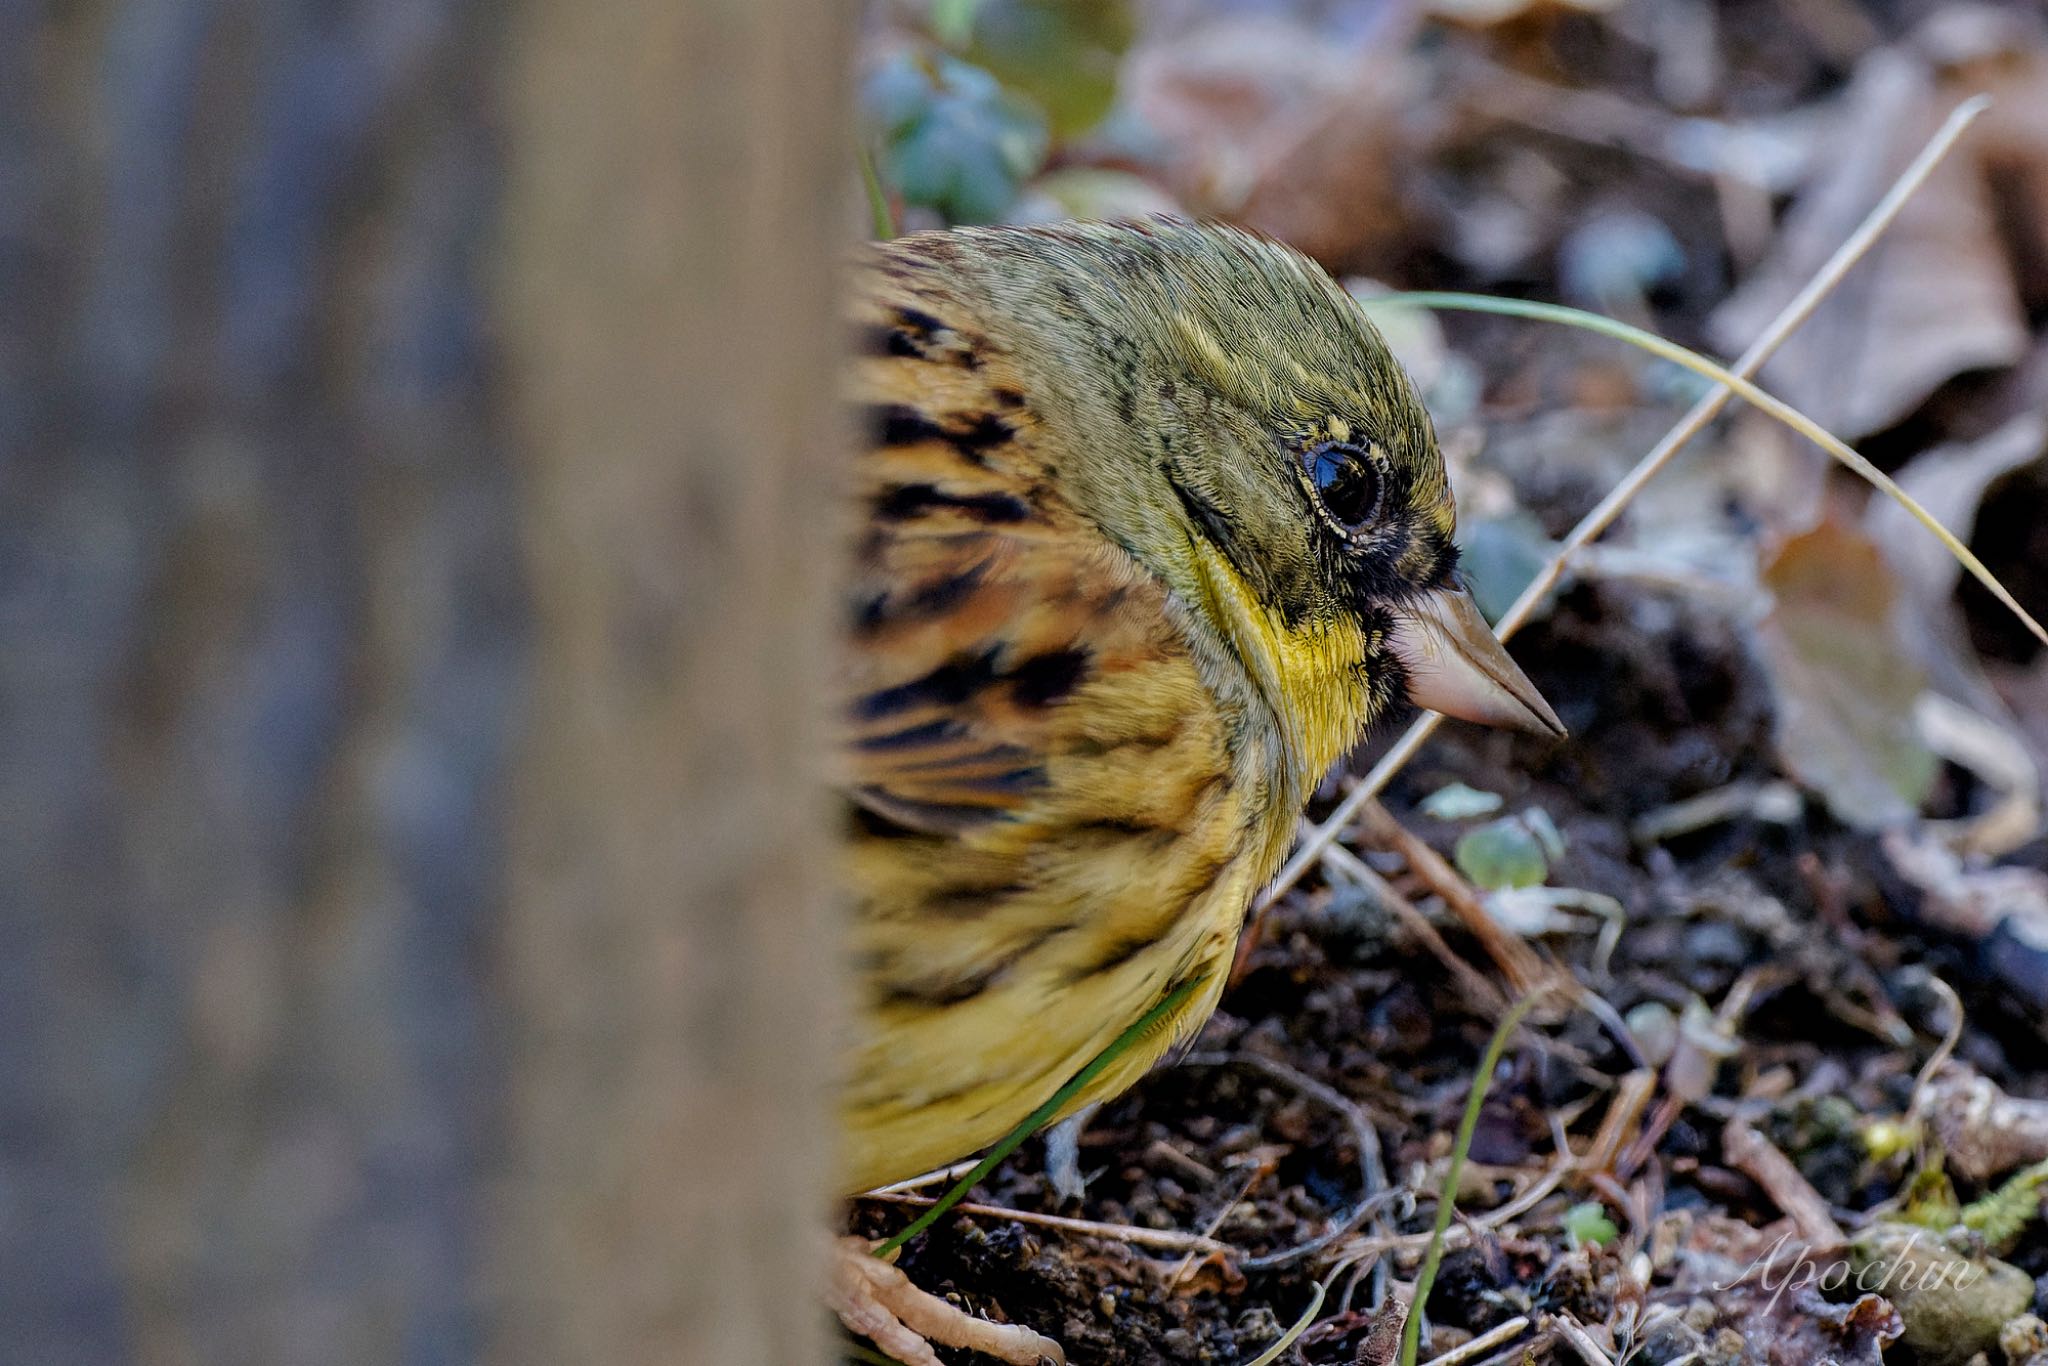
(395, 562)
(672, 340)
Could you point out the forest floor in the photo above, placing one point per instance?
(1785, 881)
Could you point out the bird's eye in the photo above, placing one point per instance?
(1347, 483)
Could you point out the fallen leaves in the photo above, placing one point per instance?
(1845, 693)
(1947, 290)
(1266, 122)
(1752, 1296)
(1482, 156)
(2003, 911)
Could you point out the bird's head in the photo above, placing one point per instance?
(1237, 423)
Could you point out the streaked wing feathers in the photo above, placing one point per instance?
(1046, 834)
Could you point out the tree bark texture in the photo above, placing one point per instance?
(414, 422)
(673, 345)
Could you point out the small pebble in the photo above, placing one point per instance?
(1727, 1349)
(2024, 1340)
(1257, 1324)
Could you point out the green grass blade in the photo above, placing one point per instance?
(882, 221)
(1308, 1316)
(1446, 1205)
(1742, 388)
(1038, 1118)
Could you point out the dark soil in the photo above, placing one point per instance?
(1667, 697)
(1664, 702)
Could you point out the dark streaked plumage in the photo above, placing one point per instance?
(1150, 526)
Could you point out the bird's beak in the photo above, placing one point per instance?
(1457, 666)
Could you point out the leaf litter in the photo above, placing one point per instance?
(1804, 761)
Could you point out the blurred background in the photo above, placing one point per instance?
(401, 699)
(335, 344)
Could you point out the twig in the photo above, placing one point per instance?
(1319, 838)
(1359, 1265)
(1661, 1119)
(1478, 989)
(931, 1178)
(1463, 1231)
(1538, 1191)
(1165, 1239)
(1222, 1213)
(1485, 1342)
(1509, 951)
(1598, 1006)
(1590, 1352)
(1166, 1152)
(1923, 1084)
(1842, 451)
(1620, 1120)
(1756, 1157)
(1777, 802)
(1371, 1164)
(1537, 1349)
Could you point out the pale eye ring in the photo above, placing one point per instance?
(1346, 482)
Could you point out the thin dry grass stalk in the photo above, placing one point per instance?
(1165, 1239)
(1317, 839)
(1484, 1343)
(1511, 953)
(1756, 1157)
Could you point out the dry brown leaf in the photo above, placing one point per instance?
(2001, 910)
(1487, 13)
(1937, 296)
(1950, 481)
(1271, 124)
(1761, 1288)
(1846, 683)
(1984, 1132)
(2004, 54)
(2024, 690)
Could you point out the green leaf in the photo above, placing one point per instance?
(1461, 1144)
(1065, 55)
(1160, 1014)
(881, 221)
(1587, 1224)
(952, 139)
(1546, 832)
(1500, 854)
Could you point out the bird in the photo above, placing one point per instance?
(1146, 527)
